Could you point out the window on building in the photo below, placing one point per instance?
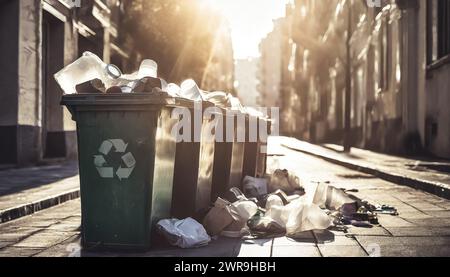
(438, 30)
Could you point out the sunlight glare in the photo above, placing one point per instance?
(250, 21)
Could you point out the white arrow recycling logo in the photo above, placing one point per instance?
(107, 171)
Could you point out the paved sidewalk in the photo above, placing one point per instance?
(429, 175)
(421, 229)
(24, 191)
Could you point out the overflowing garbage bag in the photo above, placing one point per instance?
(186, 233)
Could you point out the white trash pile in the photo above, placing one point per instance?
(89, 74)
(267, 207)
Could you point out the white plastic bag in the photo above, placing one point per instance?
(241, 211)
(306, 217)
(186, 233)
(299, 216)
(273, 200)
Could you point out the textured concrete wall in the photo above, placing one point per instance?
(70, 54)
(9, 24)
(29, 63)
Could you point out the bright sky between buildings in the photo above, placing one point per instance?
(250, 21)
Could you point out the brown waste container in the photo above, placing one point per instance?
(229, 154)
(193, 166)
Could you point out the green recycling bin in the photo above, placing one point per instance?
(126, 153)
(194, 158)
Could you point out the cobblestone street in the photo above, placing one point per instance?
(421, 229)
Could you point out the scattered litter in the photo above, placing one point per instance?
(234, 194)
(365, 216)
(287, 198)
(173, 89)
(190, 90)
(349, 190)
(94, 86)
(218, 217)
(385, 209)
(299, 216)
(362, 224)
(241, 211)
(218, 98)
(89, 74)
(85, 69)
(273, 200)
(235, 104)
(229, 217)
(262, 226)
(282, 180)
(186, 233)
(254, 187)
(327, 196)
(318, 206)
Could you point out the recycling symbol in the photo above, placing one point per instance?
(107, 171)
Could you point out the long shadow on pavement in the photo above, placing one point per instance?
(19, 179)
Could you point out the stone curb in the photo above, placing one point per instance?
(30, 208)
(439, 189)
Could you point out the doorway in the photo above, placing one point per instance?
(53, 135)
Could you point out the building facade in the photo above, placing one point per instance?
(269, 67)
(399, 69)
(246, 83)
(39, 38)
(219, 71)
